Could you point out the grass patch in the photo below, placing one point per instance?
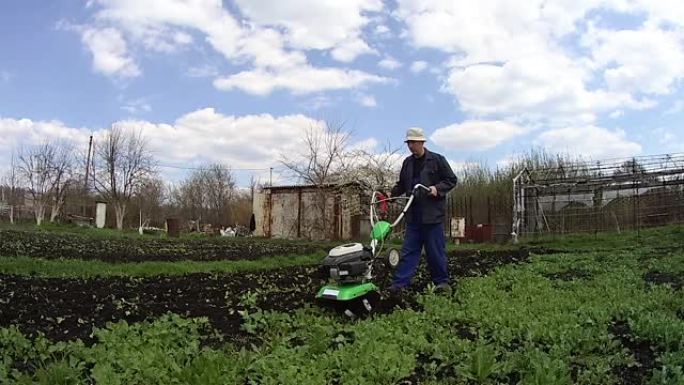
(56, 245)
(665, 236)
(80, 268)
(74, 229)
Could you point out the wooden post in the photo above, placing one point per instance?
(299, 213)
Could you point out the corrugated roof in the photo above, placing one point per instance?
(307, 186)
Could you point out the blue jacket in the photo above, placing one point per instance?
(436, 172)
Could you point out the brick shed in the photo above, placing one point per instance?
(336, 212)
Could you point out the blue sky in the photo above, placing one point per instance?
(237, 81)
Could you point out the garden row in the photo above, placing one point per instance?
(67, 308)
(53, 245)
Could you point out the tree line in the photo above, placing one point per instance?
(120, 168)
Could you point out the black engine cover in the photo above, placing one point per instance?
(350, 267)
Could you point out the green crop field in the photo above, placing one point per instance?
(81, 307)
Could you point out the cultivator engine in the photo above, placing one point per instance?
(348, 263)
(349, 267)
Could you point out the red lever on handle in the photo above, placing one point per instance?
(383, 207)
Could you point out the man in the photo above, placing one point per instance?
(425, 218)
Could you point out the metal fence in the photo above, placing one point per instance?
(613, 195)
(485, 218)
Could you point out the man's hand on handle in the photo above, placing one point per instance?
(433, 192)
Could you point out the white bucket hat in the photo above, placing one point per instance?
(415, 134)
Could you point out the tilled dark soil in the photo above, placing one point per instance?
(68, 308)
(643, 353)
(569, 275)
(663, 278)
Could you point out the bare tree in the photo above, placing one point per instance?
(63, 180)
(150, 196)
(253, 183)
(630, 167)
(327, 160)
(374, 170)
(220, 187)
(241, 207)
(45, 169)
(11, 192)
(327, 157)
(322, 162)
(34, 170)
(123, 162)
(322, 158)
(207, 195)
(82, 181)
(189, 199)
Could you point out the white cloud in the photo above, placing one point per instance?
(458, 167)
(136, 106)
(509, 47)
(266, 47)
(483, 31)
(17, 132)
(646, 60)
(272, 37)
(547, 86)
(110, 52)
(157, 16)
(205, 135)
(204, 71)
(252, 141)
(382, 31)
(244, 142)
(591, 141)
(348, 51)
(389, 63)
(368, 101)
(616, 114)
(182, 38)
(524, 53)
(368, 145)
(317, 102)
(660, 12)
(476, 135)
(313, 24)
(374, 155)
(161, 38)
(299, 80)
(418, 66)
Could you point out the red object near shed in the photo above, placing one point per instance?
(479, 233)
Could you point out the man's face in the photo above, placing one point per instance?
(416, 147)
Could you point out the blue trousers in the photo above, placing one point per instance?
(417, 236)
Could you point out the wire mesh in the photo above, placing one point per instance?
(613, 195)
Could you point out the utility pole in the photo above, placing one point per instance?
(87, 172)
(87, 168)
(251, 189)
(270, 178)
